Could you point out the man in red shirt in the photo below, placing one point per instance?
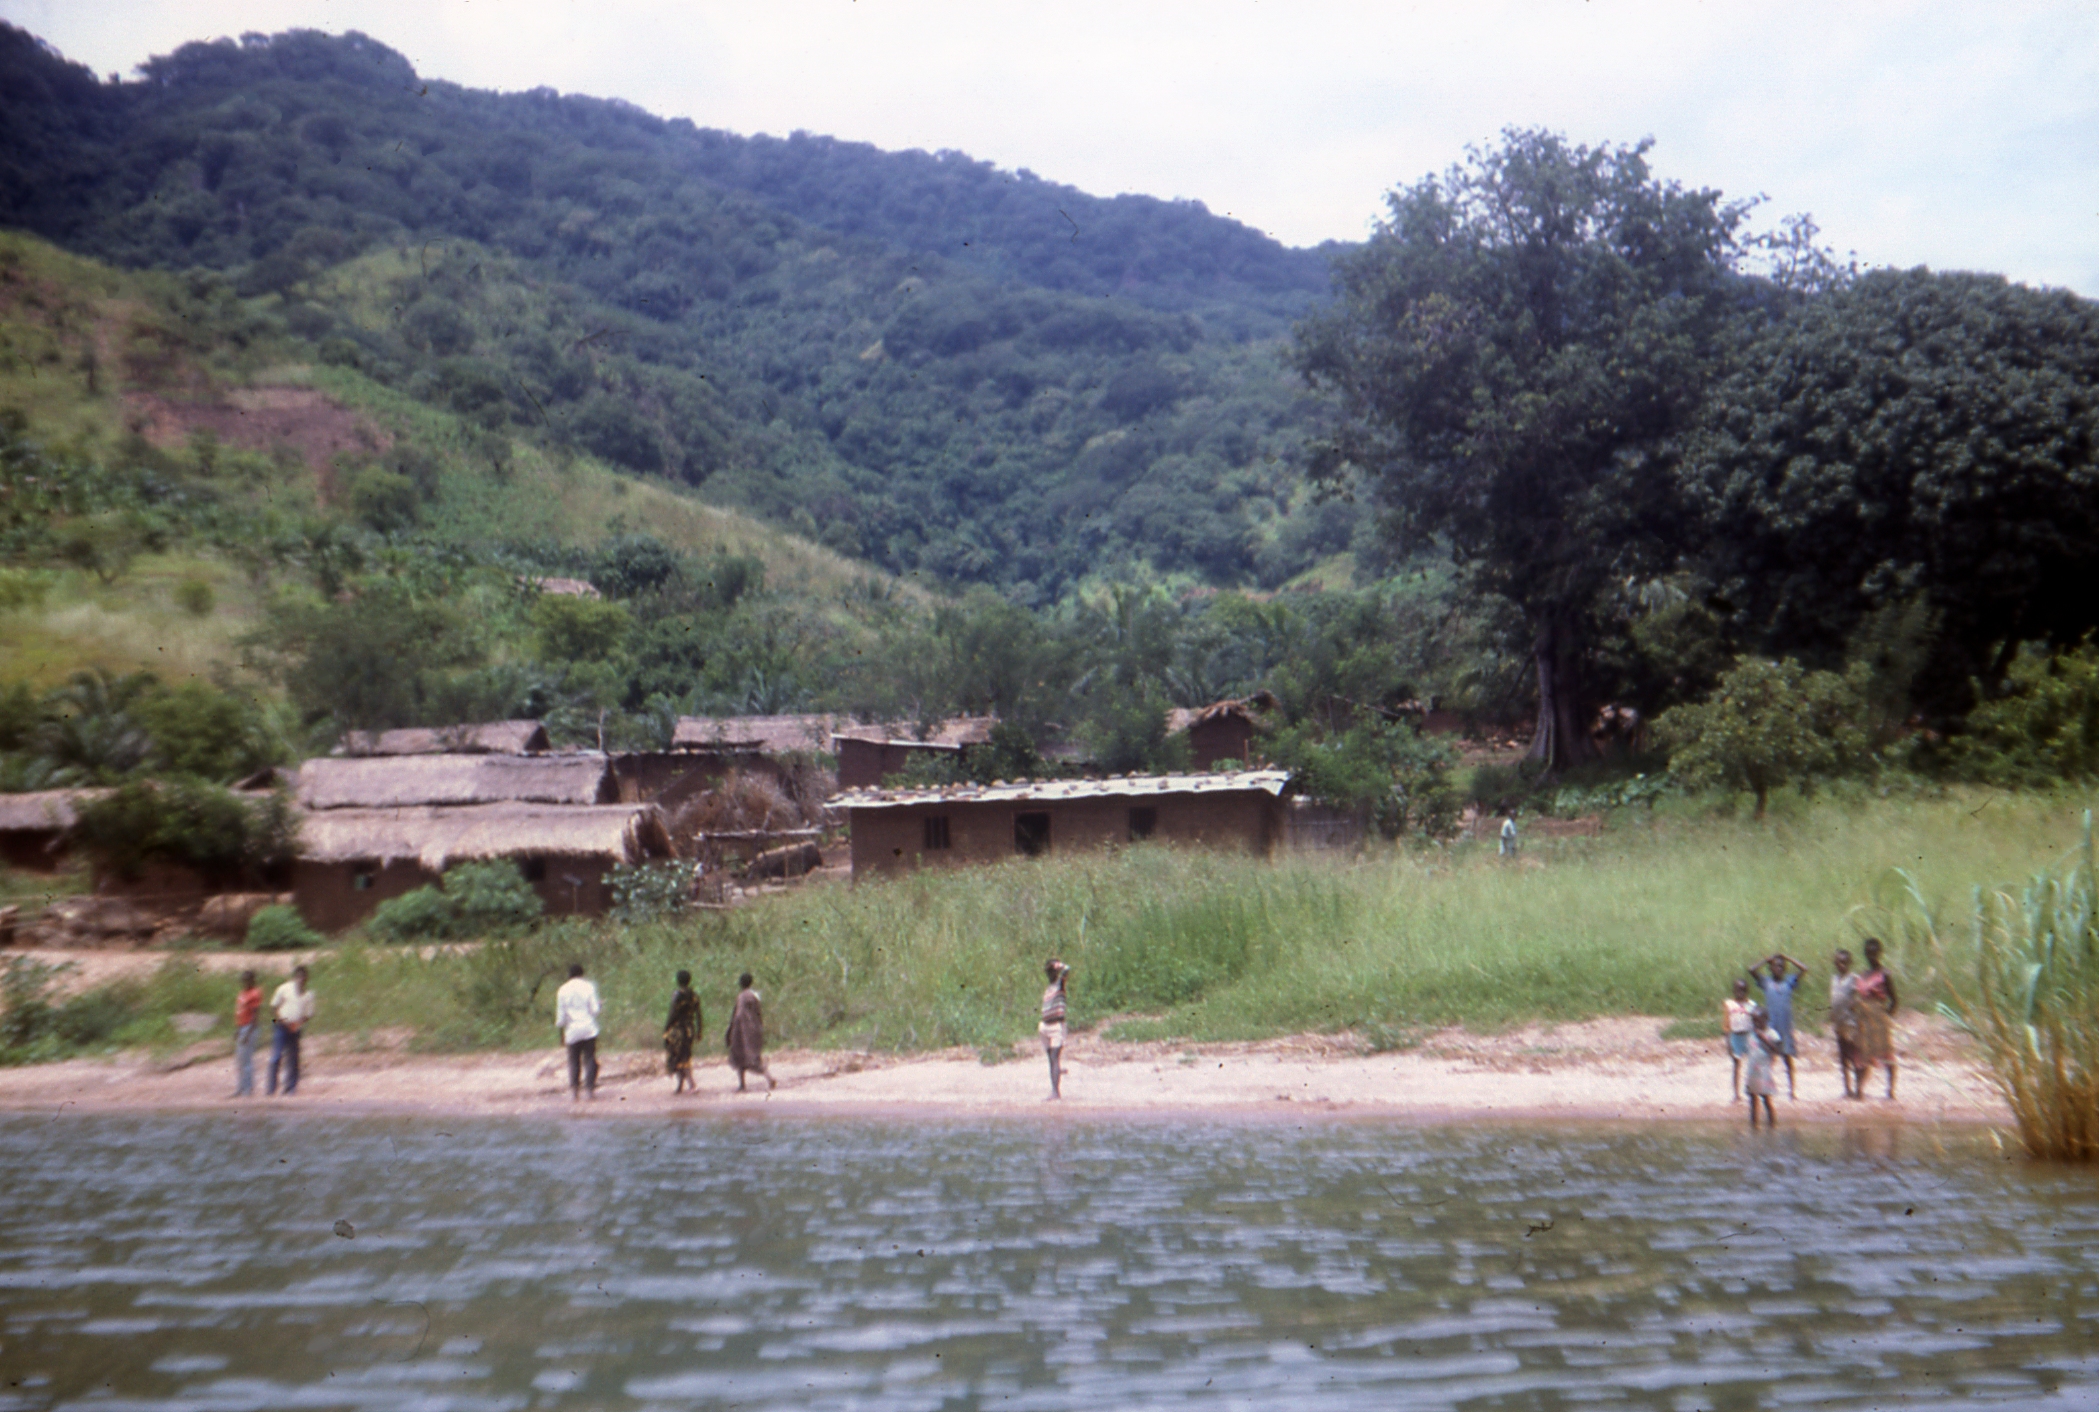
(247, 1008)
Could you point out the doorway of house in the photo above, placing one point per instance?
(1031, 834)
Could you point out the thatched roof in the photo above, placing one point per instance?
(398, 781)
(47, 810)
(769, 735)
(437, 838)
(474, 738)
(1251, 708)
(566, 588)
(951, 734)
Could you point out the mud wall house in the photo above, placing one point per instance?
(1223, 730)
(35, 829)
(475, 738)
(1240, 811)
(351, 860)
(869, 754)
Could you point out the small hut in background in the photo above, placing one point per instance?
(400, 781)
(895, 830)
(1223, 730)
(482, 738)
(34, 828)
(869, 754)
(351, 860)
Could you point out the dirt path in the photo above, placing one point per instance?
(1615, 1069)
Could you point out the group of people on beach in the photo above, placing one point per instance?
(576, 1010)
(291, 1010)
(1861, 1010)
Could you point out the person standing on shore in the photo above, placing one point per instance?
(1051, 1026)
(1736, 1022)
(1779, 988)
(1760, 1083)
(747, 1034)
(247, 1010)
(1876, 1012)
(576, 1016)
(1843, 1022)
(292, 1009)
(681, 1031)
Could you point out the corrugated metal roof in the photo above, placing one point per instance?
(1272, 782)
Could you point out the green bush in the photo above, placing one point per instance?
(2044, 729)
(425, 914)
(1766, 725)
(194, 597)
(281, 928)
(651, 891)
(492, 899)
(198, 825)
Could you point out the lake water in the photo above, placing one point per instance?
(194, 1262)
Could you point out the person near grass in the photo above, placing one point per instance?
(576, 1017)
(1761, 1081)
(1780, 977)
(680, 1032)
(247, 1010)
(1843, 1021)
(747, 1034)
(1508, 836)
(291, 1010)
(1876, 1013)
(1735, 1023)
(1051, 1026)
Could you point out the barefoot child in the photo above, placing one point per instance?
(1051, 1026)
(1779, 989)
(1843, 1020)
(1760, 1083)
(1735, 1022)
(1876, 1012)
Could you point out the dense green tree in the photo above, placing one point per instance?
(1511, 360)
(379, 659)
(1912, 434)
(1766, 725)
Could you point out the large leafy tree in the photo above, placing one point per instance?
(1913, 434)
(1512, 359)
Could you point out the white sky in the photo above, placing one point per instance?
(1961, 135)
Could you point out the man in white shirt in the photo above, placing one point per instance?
(576, 1016)
(291, 1007)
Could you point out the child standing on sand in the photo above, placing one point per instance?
(1876, 1012)
(1051, 1026)
(1779, 988)
(1760, 1083)
(1843, 1021)
(1736, 1023)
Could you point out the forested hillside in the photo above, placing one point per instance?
(919, 360)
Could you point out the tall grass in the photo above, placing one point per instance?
(1655, 917)
(2028, 990)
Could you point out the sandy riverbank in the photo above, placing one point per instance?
(1615, 1069)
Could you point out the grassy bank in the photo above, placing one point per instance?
(1653, 917)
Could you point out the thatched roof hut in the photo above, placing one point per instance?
(401, 781)
(33, 826)
(767, 735)
(1223, 730)
(436, 838)
(351, 860)
(868, 754)
(473, 738)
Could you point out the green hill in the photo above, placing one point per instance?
(920, 361)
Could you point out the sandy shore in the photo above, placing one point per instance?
(1617, 1069)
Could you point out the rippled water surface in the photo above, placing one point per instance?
(195, 1262)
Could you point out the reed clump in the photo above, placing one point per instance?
(2030, 998)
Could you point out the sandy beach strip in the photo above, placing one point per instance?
(1602, 1070)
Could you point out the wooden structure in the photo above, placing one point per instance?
(351, 860)
(897, 830)
(1222, 731)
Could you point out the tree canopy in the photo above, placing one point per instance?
(1512, 360)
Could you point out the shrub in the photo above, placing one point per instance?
(2046, 728)
(651, 891)
(198, 825)
(492, 899)
(194, 597)
(1766, 725)
(281, 928)
(425, 914)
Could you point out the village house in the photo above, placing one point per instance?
(1221, 731)
(475, 738)
(869, 754)
(34, 827)
(398, 781)
(351, 860)
(896, 830)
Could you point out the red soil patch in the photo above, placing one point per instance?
(261, 419)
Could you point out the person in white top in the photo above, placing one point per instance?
(291, 1007)
(576, 1016)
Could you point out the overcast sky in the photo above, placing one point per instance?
(1959, 135)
